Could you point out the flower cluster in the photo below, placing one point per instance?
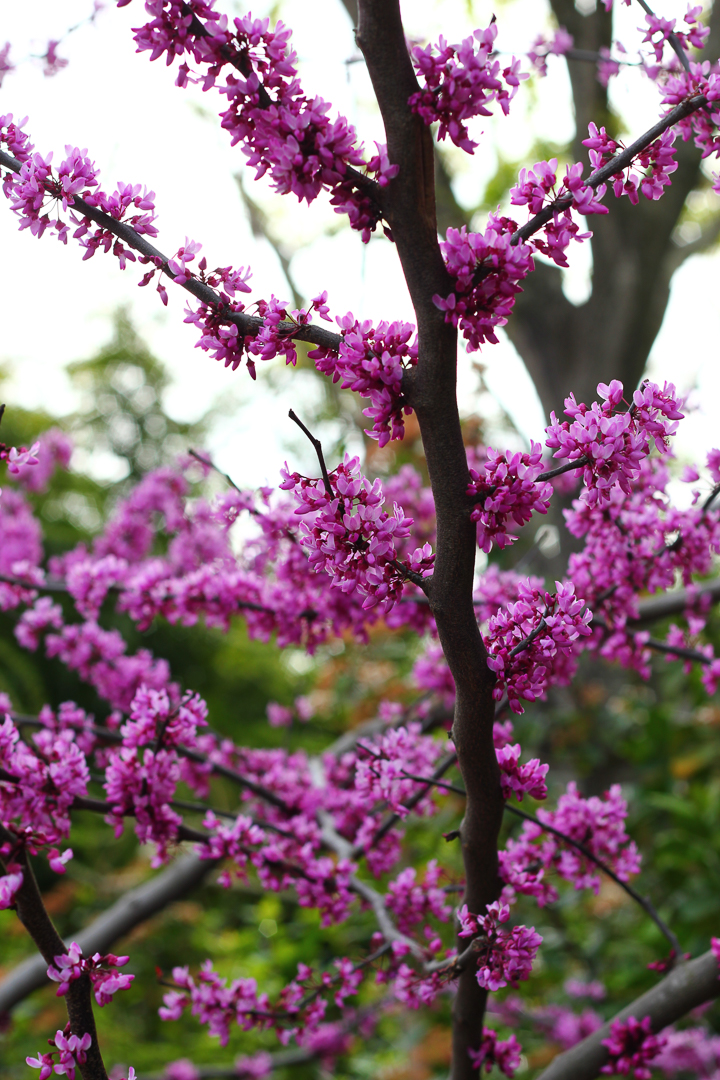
(221, 337)
(560, 43)
(486, 268)
(598, 825)
(371, 361)
(534, 641)
(39, 787)
(299, 1009)
(9, 885)
(610, 444)
(413, 901)
(284, 133)
(351, 537)
(537, 186)
(703, 124)
(517, 779)
(105, 979)
(659, 30)
(53, 450)
(385, 769)
(505, 956)
(76, 177)
(71, 1050)
(19, 459)
(650, 170)
(693, 1050)
(631, 1047)
(462, 81)
(506, 489)
(505, 1053)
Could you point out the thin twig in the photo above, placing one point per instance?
(569, 466)
(211, 465)
(527, 642)
(318, 450)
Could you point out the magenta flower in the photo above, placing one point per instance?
(631, 1046)
(505, 1053)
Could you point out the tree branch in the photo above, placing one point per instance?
(617, 164)
(646, 904)
(687, 986)
(409, 205)
(248, 325)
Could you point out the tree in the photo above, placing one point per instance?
(329, 560)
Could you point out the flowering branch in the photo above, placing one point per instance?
(672, 38)
(248, 325)
(643, 901)
(615, 165)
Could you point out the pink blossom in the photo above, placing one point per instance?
(506, 489)
(505, 956)
(692, 1050)
(631, 1046)
(371, 361)
(542, 47)
(278, 715)
(52, 63)
(461, 82)
(487, 269)
(535, 639)
(505, 1053)
(105, 980)
(5, 68)
(351, 537)
(528, 779)
(9, 885)
(612, 444)
(182, 1069)
(597, 824)
(255, 1067)
(412, 902)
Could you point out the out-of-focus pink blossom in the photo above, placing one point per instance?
(631, 1047)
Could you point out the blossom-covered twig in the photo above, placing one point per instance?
(644, 902)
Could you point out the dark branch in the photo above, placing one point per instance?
(318, 450)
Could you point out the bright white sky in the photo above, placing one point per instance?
(139, 127)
